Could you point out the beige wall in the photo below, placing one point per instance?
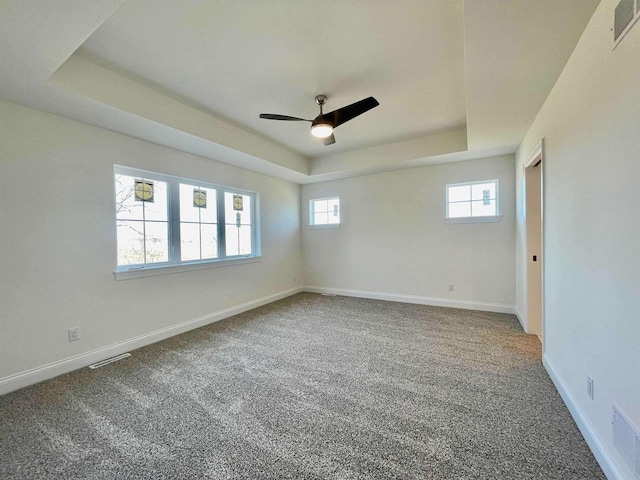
(394, 241)
(591, 126)
(58, 245)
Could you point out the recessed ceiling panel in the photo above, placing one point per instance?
(237, 59)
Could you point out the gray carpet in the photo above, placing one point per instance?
(308, 387)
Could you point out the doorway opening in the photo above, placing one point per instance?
(534, 189)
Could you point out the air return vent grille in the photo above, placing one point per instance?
(625, 16)
(626, 439)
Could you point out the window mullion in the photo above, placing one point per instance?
(174, 222)
(222, 241)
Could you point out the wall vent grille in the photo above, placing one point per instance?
(626, 439)
(625, 15)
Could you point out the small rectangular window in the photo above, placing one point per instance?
(167, 221)
(474, 199)
(324, 211)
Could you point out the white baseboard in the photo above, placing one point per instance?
(597, 448)
(518, 315)
(45, 372)
(436, 302)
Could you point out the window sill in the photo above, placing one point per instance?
(492, 219)
(322, 227)
(151, 271)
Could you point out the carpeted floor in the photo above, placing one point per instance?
(308, 387)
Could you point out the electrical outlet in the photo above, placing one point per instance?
(74, 334)
(590, 387)
(451, 287)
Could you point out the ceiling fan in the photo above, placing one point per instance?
(322, 126)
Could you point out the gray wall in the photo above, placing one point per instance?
(394, 241)
(58, 244)
(591, 127)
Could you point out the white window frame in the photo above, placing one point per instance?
(312, 213)
(477, 219)
(175, 264)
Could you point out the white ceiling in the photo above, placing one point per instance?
(241, 58)
(456, 79)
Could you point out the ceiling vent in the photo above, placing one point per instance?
(625, 16)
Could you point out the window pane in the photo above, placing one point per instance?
(191, 213)
(462, 209)
(209, 214)
(320, 206)
(481, 210)
(245, 240)
(232, 238)
(230, 212)
(459, 193)
(157, 210)
(209, 240)
(188, 213)
(334, 219)
(321, 218)
(189, 241)
(130, 242)
(477, 190)
(157, 242)
(126, 205)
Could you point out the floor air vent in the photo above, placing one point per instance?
(109, 360)
(627, 440)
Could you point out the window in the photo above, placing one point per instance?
(168, 221)
(472, 200)
(324, 211)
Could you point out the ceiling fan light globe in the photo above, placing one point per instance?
(321, 130)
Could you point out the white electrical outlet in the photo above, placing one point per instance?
(590, 387)
(74, 334)
(451, 287)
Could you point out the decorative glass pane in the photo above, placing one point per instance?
(127, 208)
(478, 189)
(458, 210)
(130, 236)
(143, 191)
(199, 198)
(156, 242)
(478, 208)
(459, 193)
(208, 240)
(238, 203)
(157, 210)
(189, 241)
(230, 212)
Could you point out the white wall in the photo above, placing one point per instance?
(591, 126)
(394, 242)
(58, 244)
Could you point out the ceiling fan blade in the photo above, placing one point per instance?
(344, 114)
(330, 140)
(273, 116)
